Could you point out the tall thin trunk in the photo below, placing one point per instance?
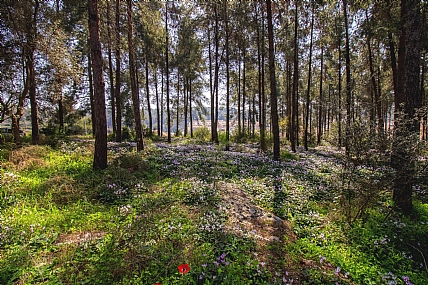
(348, 77)
(110, 70)
(216, 72)
(239, 98)
(294, 98)
(168, 109)
(244, 88)
(117, 87)
(157, 103)
(321, 100)
(149, 108)
(227, 78)
(211, 86)
(274, 108)
(100, 152)
(178, 104)
(31, 32)
(132, 75)
(91, 88)
(261, 95)
(309, 81)
(186, 97)
(339, 119)
(190, 108)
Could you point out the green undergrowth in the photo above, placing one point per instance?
(148, 213)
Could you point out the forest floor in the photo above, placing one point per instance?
(192, 213)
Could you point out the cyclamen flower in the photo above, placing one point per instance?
(183, 268)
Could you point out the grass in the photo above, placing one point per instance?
(134, 223)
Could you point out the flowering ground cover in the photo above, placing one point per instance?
(192, 213)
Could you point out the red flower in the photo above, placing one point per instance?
(158, 284)
(183, 268)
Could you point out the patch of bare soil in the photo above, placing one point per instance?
(271, 233)
(79, 237)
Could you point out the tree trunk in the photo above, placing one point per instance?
(348, 77)
(274, 108)
(178, 104)
(294, 97)
(149, 108)
(157, 103)
(168, 109)
(134, 90)
(309, 81)
(186, 96)
(244, 88)
(260, 64)
(216, 73)
(117, 87)
(321, 100)
(91, 88)
(227, 78)
(190, 108)
(31, 31)
(402, 159)
(100, 153)
(110, 70)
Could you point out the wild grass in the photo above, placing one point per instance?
(136, 222)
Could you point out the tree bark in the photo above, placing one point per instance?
(309, 81)
(227, 78)
(348, 77)
(294, 96)
(149, 108)
(134, 89)
(117, 87)
(100, 153)
(31, 31)
(168, 109)
(274, 108)
(403, 161)
(110, 71)
(321, 101)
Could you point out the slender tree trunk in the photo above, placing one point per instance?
(294, 99)
(178, 104)
(132, 75)
(211, 86)
(239, 98)
(261, 94)
(149, 108)
(309, 81)
(244, 88)
(321, 100)
(91, 88)
(117, 87)
(168, 109)
(110, 70)
(274, 108)
(348, 77)
(339, 120)
(216, 73)
(190, 107)
(186, 96)
(31, 37)
(100, 153)
(227, 78)
(157, 103)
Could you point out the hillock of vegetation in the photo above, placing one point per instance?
(192, 213)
